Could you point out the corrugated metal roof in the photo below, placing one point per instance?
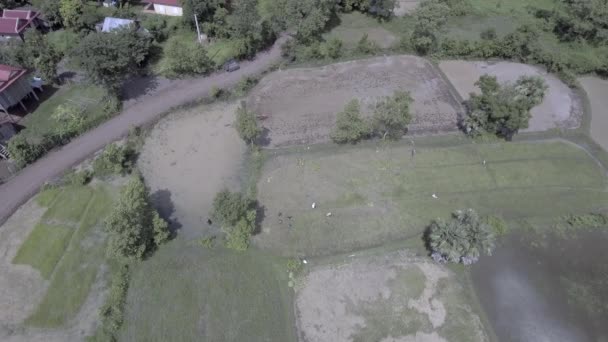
(8, 75)
(110, 23)
(175, 3)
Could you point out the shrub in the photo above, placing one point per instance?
(350, 126)
(366, 46)
(186, 58)
(70, 120)
(157, 26)
(244, 85)
(23, 151)
(461, 240)
(115, 159)
(112, 311)
(236, 215)
(587, 221)
(216, 92)
(332, 48)
(247, 124)
(78, 177)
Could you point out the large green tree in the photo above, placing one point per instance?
(236, 214)
(350, 126)
(109, 58)
(392, 115)
(71, 12)
(134, 226)
(461, 240)
(503, 109)
(186, 57)
(204, 9)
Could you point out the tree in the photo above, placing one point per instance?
(247, 124)
(109, 58)
(429, 18)
(461, 240)
(502, 110)
(308, 18)
(350, 126)
(37, 53)
(134, 227)
(52, 13)
(333, 48)
(204, 9)
(392, 115)
(186, 58)
(8, 4)
(23, 151)
(71, 12)
(236, 214)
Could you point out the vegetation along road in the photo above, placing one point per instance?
(24, 185)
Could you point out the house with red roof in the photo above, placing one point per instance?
(13, 23)
(14, 86)
(165, 7)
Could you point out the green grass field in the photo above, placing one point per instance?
(352, 26)
(88, 97)
(188, 293)
(379, 193)
(70, 252)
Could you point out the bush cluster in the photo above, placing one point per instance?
(237, 216)
(115, 159)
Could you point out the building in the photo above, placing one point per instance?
(14, 86)
(13, 23)
(165, 7)
(110, 24)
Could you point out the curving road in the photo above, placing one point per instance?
(145, 109)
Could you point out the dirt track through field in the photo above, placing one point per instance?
(146, 110)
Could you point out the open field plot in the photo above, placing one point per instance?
(390, 298)
(54, 272)
(561, 106)
(301, 104)
(188, 157)
(352, 26)
(189, 293)
(597, 91)
(376, 194)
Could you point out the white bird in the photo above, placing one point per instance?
(314, 205)
(304, 261)
(328, 214)
(434, 196)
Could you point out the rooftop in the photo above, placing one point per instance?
(8, 75)
(13, 22)
(110, 23)
(175, 3)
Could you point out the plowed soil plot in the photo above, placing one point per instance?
(561, 107)
(300, 105)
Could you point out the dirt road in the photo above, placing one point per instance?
(147, 108)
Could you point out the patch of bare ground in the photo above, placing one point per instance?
(187, 158)
(299, 106)
(392, 298)
(404, 7)
(561, 107)
(597, 92)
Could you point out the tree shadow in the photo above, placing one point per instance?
(139, 86)
(264, 138)
(259, 218)
(161, 200)
(334, 21)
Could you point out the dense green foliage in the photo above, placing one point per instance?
(237, 216)
(502, 109)
(34, 53)
(71, 12)
(109, 59)
(461, 240)
(392, 115)
(115, 159)
(186, 58)
(350, 126)
(112, 311)
(247, 124)
(134, 226)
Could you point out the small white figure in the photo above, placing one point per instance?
(314, 205)
(435, 196)
(328, 214)
(304, 261)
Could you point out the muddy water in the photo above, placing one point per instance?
(547, 288)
